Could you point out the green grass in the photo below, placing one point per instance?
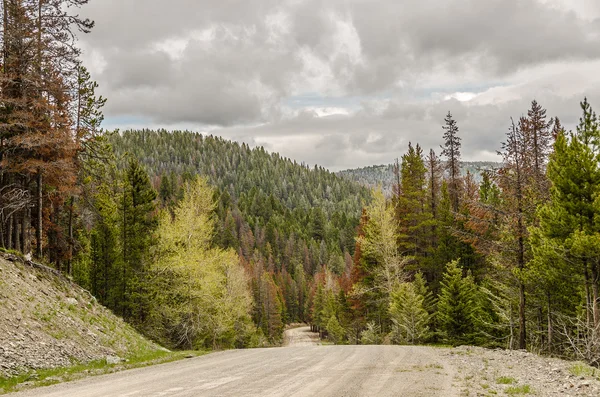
(582, 369)
(518, 390)
(506, 380)
(13, 252)
(48, 377)
(436, 365)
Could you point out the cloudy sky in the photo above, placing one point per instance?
(343, 83)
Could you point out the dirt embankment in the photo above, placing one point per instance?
(46, 321)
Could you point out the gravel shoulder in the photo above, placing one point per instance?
(484, 372)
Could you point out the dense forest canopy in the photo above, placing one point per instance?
(202, 242)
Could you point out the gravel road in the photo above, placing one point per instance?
(301, 336)
(304, 370)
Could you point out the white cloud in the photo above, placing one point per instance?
(343, 82)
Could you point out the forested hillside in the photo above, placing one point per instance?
(382, 176)
(285, 220)
(271, 193)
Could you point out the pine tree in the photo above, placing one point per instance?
(89, 116)
(138, 223)
(411, 204)
(434, 177)
(567, 222)
(335, 332)
(451, 150)
(538, 140)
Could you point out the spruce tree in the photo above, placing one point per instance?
(458, 306)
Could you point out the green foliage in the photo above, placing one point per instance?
(583, 369)
(458, 306)
(505, 380)
(566, 240)
(518, 390)
(409, 316)
(371, 335)
(138, 223)
(381, 264)
(412, 213)
(201, 293)
(335, 332)
(269, 309)
(289, 203)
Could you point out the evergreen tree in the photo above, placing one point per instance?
(458, 306)
(568, 221)
(138, 224)
(517, 214)
(537, 137)
(411, 204)
(451, 150)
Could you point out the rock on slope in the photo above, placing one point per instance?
(46, 321)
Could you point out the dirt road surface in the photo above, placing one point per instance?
(301, 336)
(301, 369)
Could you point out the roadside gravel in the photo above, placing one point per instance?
(484, 372)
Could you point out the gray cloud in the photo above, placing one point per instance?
(392, 67)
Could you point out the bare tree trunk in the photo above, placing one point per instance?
(595, 307)
(70, 235)
(25, 238)
(588, 299)
(17, 233)
(40, 215)
(9, 232)
(5, 47)
(521, 263)
(522, 322)
(550, 330)
(2, 231)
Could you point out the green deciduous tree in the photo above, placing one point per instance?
(202, 296)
